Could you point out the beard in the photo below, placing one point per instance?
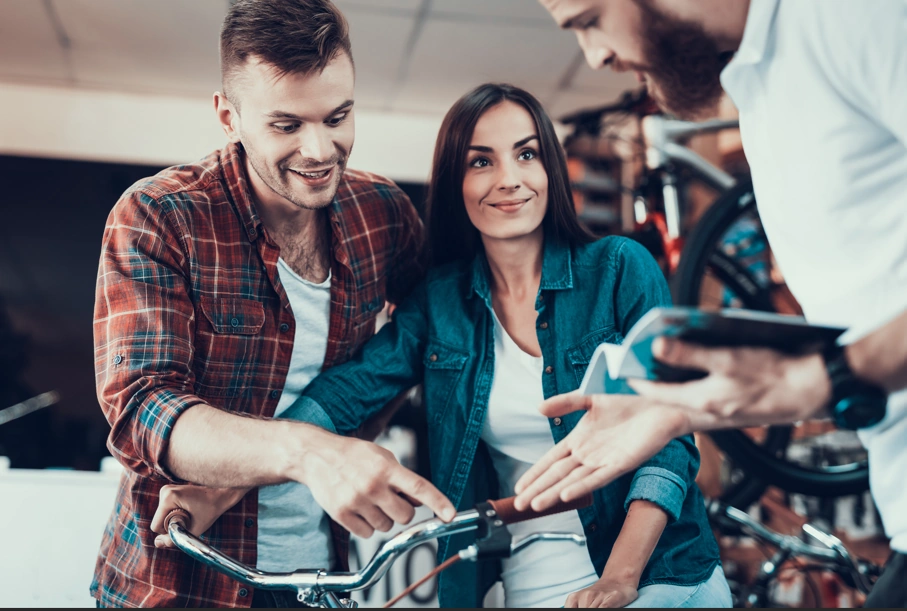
(279, 178)
(684, 64)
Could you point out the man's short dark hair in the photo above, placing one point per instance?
(293, 36)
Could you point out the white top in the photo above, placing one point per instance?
(293, 530)
(822, 93)
(517, 436)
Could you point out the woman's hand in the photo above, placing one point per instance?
(205, 506)
(603, 594)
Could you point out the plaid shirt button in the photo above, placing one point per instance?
(243, 592)
(250, 522)
(275, 394)
(284, 328)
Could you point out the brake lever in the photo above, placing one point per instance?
(845, 557)
(528, 540)
(477, 551)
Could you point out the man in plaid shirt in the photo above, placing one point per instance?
(224, 287)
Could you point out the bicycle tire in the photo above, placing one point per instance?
(760, 462)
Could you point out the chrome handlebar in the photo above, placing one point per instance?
(318, 587)
(322, 580)
(833, 550)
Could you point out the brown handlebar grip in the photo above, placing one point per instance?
(178, 515)
(505, 510)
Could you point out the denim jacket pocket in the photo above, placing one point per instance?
(580, 354)
(443, 368)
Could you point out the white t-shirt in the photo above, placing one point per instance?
(293, 530)
(517, 436)
(822, 91)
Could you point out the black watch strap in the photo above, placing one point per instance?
(855, 403)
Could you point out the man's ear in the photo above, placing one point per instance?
(227, 116)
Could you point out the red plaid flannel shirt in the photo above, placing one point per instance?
(190, 310)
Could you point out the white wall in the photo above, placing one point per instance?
(53, 523)
(127, 128)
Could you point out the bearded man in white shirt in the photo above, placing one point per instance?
(822, 92)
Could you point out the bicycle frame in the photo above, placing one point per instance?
(663, 138)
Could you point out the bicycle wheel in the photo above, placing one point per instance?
(727, 263)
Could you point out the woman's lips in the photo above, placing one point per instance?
(509, 205)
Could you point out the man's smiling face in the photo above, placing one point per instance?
(297, 131)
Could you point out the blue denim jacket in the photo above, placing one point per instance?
(443, 335)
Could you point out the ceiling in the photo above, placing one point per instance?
(412, 56)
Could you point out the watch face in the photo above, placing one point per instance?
(860, 411)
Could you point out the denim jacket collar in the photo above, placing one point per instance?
(557, 270)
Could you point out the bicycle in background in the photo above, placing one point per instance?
(723, 261)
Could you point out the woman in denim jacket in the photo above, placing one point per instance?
(517, 300)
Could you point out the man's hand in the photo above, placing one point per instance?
(617, 433)
(604, 594)
(362, 486)
(204, 505)
(745, 386)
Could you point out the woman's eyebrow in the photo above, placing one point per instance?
(516, 145)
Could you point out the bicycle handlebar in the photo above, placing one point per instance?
(308, 579)
(833, 552)
(509, 515)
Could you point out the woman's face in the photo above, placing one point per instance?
(506, 187)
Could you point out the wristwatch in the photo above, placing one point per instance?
(855, 403)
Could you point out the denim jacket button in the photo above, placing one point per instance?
(543, 326)
(549, 369)
(557, 422)
(433, 358)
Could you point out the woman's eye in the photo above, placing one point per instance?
(528, 155)
(286, 128)
(479, 162)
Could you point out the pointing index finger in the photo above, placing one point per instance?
(421, 490)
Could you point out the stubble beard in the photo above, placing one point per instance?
(279, 180)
